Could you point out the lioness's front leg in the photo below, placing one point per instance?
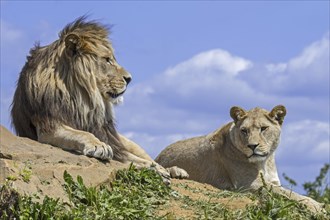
(311, 204)
(68, 138)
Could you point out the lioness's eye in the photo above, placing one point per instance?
(263, 128)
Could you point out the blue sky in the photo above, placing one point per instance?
(192, 61)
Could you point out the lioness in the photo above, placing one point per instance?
(235, 155)
(66, 92)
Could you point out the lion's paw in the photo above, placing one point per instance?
(162, 172)
(178, 173)
(101, 151)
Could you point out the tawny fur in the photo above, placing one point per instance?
(223, 158)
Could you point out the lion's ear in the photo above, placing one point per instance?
(72, 44)
(237, 113)
(278, 113)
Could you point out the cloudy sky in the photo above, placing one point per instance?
(192, 61)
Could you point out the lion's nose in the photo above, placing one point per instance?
(253, 146)
(128, 79)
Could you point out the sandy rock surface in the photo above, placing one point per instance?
(38, 168)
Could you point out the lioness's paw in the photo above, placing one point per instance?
(178, 173)
(101, 151)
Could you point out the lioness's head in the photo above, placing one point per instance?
(92, 58)
(256, 133)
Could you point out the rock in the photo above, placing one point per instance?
(38, 168)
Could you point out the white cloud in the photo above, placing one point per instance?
(217, 60)
(204, 80)
(276, 68)
(303, 151)
(153, 144)
(304, 75)
(306, 139)
(311, 55)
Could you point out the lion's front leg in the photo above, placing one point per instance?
(141, 159)
(68, 138)
(141, 162)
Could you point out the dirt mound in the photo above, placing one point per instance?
(194, 198)
(38, 168)
(34, 168)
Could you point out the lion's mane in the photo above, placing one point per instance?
(55, 87)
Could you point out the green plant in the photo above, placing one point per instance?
(133, 195)
(290, 181)
(11, 178)
(26, 174)
(320, 189)
(49, 208)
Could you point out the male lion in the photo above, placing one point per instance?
(235, 155)
(66, 91)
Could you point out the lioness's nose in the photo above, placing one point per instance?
(252, 146)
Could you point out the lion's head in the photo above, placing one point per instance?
(73, 81)
(256, 133)
(90, 53)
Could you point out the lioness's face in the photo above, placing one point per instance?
(256, 135)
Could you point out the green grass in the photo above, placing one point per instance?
(274, 206)
(136, 194)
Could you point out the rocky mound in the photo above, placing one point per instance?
(38, 168)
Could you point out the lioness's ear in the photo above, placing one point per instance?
(72, 44)
(237, 113)
(278, 113)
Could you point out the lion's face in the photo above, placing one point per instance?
(96, 57)
(256, 133)
(111, 78)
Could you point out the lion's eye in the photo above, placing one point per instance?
(263, 128)
(244, 131)
(109, 60)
